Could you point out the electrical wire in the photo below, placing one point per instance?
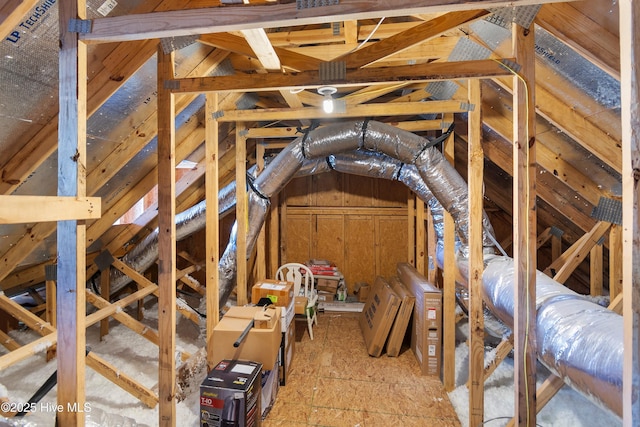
(368, 37)
(527, 237)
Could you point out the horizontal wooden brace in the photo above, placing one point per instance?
(27, 209)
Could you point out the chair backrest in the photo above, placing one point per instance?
(293, 272)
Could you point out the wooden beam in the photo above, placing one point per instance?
(364, 110)
(124, 318)
(11, 13)
(217, 19)
(630, 98)
(116, 376)
(405, 39)
(360, 77)
(261, 46)
(105, 292)
(449, 285)
(615, 261)
(71, 239)
(166, 243)
(543, 237)
(411, 228)
(581, 251)
(524, 227)
(502, 351)
(595, 270)
(212, 239)
(421, 237)
(242, 214)
(289, 59)
(261, 246)
(475, 165)
(26, 209)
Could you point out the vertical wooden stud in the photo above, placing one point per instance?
(212, 221)
(421, 237)
(475, 167)
(261, 251)
(630, 90)
(595, 264)
(242, 214)
(71, 244)
(105, 292)
(449, 288)
(432, 265)
(411, 225)
(615, 261)
(166, 241)
(524, 228)
(274, 236)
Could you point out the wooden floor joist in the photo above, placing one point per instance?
(50, 337)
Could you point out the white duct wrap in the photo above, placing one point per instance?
(578, 340)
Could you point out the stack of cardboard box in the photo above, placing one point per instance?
(280, 293)
(329, 281)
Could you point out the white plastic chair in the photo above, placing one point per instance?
(303, 285)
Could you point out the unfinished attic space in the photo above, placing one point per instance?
(319, 213)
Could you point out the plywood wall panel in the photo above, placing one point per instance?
(390, 193)
(360, 248)
(391, 244)
(329, 238)
(327, 189)
(298, 192)
(299, 234)
(359, 191)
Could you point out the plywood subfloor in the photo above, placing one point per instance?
(334, 382)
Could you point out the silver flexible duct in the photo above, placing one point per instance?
(578, 340)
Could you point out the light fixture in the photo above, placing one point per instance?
(327, 102)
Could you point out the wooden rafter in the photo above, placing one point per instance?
(210, 20)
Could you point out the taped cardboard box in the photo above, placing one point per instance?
(378, 315)
(426, 326)
(279, 292)
(401, 323)
(328, 284)
(259, 345)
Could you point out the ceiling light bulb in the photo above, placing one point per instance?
(327, 102)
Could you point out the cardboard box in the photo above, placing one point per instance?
(230, 395)
(287, 349)
(362, 289)
(327, 284)
(401, 323)
(300, 305)
(288, 313)
(279, 292)
(260, 345)
(265, 318)
(426, 327)
(378, 315)
(326, 296)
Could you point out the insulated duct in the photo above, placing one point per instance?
(578, 340)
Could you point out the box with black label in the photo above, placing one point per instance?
(230, 395)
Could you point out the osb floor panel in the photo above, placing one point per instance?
(334, 382)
